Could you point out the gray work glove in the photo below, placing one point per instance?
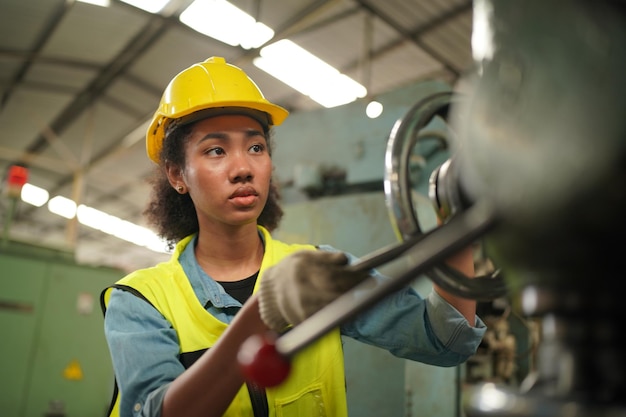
(301, 284)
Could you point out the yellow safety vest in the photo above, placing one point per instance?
(316, 383)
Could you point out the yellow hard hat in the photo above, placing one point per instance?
(212, 84)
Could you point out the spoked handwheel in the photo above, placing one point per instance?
(444, 191)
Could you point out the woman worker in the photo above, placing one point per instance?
(174, 330)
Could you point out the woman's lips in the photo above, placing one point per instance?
(244, 196)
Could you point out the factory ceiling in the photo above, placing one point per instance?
(79, 83)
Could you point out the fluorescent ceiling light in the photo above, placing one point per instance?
(136, 234)
(374, 109)
(93, 218)
(255, 35)
(225, 22)
(152, 6)
(482, 32)
(62, 206)
(119, 228)
(96, 219)
(308, 74)
(102, 3)
(34, 195)
(158, 245)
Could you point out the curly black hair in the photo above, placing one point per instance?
(173, 214)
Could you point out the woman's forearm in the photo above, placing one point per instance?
(462, 261)
(208, 387)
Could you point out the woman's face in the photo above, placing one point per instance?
(227, 170)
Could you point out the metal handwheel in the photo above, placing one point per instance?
(403, 138)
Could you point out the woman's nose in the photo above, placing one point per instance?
(241, 168)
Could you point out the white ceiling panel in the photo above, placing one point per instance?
(27, 114)
(94, 34)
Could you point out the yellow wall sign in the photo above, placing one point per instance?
(73, 371)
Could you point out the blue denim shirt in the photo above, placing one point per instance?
(145, 347)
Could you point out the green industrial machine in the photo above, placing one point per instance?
(54, 361)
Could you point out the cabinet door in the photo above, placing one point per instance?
(72, 367)
(22, 286)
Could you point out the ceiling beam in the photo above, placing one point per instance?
(43, 37)
(416, 34)
(140, 43)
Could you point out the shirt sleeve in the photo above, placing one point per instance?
(409, 326)
(144, 351)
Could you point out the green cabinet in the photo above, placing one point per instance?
(54, 360)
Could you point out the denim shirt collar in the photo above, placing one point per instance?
(206, 288)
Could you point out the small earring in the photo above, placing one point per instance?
(180, 188)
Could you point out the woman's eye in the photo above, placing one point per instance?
(257, 148)
(215, 151)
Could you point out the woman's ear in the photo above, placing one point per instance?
(174, 175)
